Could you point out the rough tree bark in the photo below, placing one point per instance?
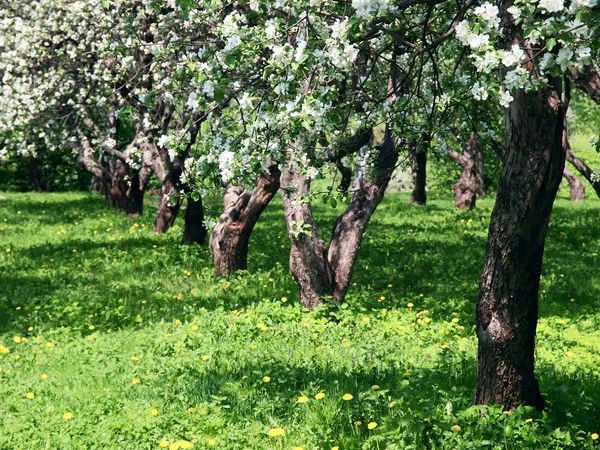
(230, 237)
(507, 306)
(194, 231)
(323, 272)
(470, 184)
(419, 175)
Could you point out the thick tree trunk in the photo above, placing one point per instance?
(468, 187)
(169, 205)
(308, 255)
(350, 227)
(230, 237)
(507, 306)
(37, 178)
(194, 231)
(577, 190)
(419, 175)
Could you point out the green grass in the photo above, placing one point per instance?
(102, 302)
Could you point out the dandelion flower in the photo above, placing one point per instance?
(273, 432)
(266, 379)
(320, 396)
(135, 381)
(455, 428)
(204, 357)
(392, 404)
(358, 423)
(594, 436)
(302, 399)
(298, 448)
(529, 420)
(283, 299)
(154, 412)
(212, 442)
(181, 444)
(347, 397)
(91, 327)
(410, 305)
(17, 339)
(4, 350)
(68, 415)
(372, 425)
(163, 443)
(375, 387)
(191, 410)
(44, 376)
(30, 395)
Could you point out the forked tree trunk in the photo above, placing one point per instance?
(592, 177)
(576, 188)
(194, 231)
(308, 255)
(419, 175)
(321, 272)
(507, 306)
(231, 235)
(469, 186)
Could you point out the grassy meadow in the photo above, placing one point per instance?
(112, 337)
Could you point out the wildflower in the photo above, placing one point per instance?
(366, 319)
(181, 444)
(455, 320)
(266, 379)
(135, 381)
(320, 396)
(4, 350)
(30, 395)
(17, 339)
(507, 413)
(163, 443)
(594, 436)
(262, 326)
(372, 425)
(298, 448)
(135, 358)
(44, 376)
(212, 442)
(273, 432)
(455, 428)
(302, 399)
(358, 423)
(529, 420)
(91, 327)
(283, 299)
(444, 346)
(347, 397)
(191, 410)
(204, 357)
(8, 250)
(375, 387)
(68, 415)
(410, 305)
(30, 329)
(392, 404)
(154, 412)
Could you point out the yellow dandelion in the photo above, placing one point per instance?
(212, 442)
(181, 444)
(445, 346)
(194, 327)
(410, 305)
(375, 387)
(298, 448)
(44, 376)
(283, 299)
(455, 428)
(135, 358)
(594, 436)
(68, 415)
(347, 397)
(392, 404)
(358, 423)
(273, 432)
(507, 413)
(17, 339)
(91, 327)
(302, 399)
(191, 410)
(135, 381)
(372, 425)
(335, 448)
(154, 412)
(204, 357)
(529, 420)
(30, 329)
(320, 396)
(4, 350)
(266, 379)
(163, 443)
(262, 326)
(455, 320)
(30, 395)
(8, 250)
(366, 319)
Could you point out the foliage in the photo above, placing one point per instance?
(98, 302)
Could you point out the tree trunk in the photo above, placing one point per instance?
(585, 170)
(37, 179)
(168, 206)
(576, 188)
(588, 80)
(308, 255)
(194, 231)
(468, 187)
(350, 227)
(507, 306)
(230, 237)
(419, 175)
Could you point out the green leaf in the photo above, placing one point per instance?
(220, 95)
(550, 43)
